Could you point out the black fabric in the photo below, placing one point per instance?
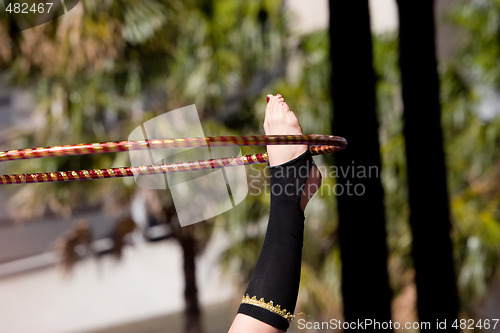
(276, 275)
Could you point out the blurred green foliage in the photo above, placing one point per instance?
(115, 64)
(105, 67)
(471, 88)
(472, 145)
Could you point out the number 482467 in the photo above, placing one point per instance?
(485, 324)
(26, 8)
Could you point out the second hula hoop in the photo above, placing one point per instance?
(320, 144)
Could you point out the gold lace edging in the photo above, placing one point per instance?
(261, 303)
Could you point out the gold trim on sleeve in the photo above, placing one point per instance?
(261, 303)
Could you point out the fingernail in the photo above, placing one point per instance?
(278, 95)
(267, 97)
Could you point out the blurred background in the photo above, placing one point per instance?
(107, 256)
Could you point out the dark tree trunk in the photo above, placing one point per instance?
(189, 245)
(428, 197)
(192, 310)
(365, 282)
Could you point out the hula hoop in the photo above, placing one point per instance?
(322, 144)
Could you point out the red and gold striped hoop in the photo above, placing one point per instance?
(320, 144)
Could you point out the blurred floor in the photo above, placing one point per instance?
(216, 318)
(146, 283)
